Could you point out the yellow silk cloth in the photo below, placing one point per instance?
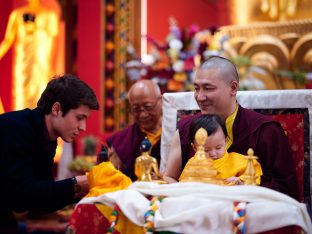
(234, 164)
(153, 138)
(104, 178)
(124, 225)
(229, 127)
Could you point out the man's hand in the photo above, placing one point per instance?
(82, 181)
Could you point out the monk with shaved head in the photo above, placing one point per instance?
(145, 105)
(215, 88)
(146, 108)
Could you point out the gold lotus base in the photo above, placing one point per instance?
(160, 181)
(204, 180)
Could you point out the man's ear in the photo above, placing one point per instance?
(56, 109)
(234, 87)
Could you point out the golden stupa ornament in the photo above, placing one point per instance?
(145, 164)
(250, 176)
(200, 168)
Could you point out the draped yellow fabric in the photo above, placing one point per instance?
(105, 178)
(234, 164)
(124, 225)
(229, 127)
(153, 138)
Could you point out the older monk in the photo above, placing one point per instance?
(146, 108)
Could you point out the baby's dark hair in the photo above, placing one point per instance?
(210, 122)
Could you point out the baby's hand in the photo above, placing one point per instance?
(234, 181)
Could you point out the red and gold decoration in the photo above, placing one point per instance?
(116, 40)
(109, 65)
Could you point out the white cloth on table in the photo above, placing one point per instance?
(207, 208)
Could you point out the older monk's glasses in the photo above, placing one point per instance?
(147, 107)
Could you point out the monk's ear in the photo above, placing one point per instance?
(160, 100)
(234, 87)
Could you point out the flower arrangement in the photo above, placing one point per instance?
(172, 64)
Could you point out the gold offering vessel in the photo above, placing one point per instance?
(200, 168)
(250, 172)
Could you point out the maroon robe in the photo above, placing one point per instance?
(269, 142)
(127, 146)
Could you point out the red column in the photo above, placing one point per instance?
(89, 54)
(223, 13)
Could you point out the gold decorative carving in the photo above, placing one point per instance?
(273, 47)
(301, 52)
(289, 39)
(267, 43)
(300, 27)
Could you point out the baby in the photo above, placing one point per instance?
(231, 166)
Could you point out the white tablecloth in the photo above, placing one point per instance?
(207, 208)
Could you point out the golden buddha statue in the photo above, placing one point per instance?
(250, 176)
(33, 30)
(200, 168)
(145, 164)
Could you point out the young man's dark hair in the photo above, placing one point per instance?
(70, 92)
